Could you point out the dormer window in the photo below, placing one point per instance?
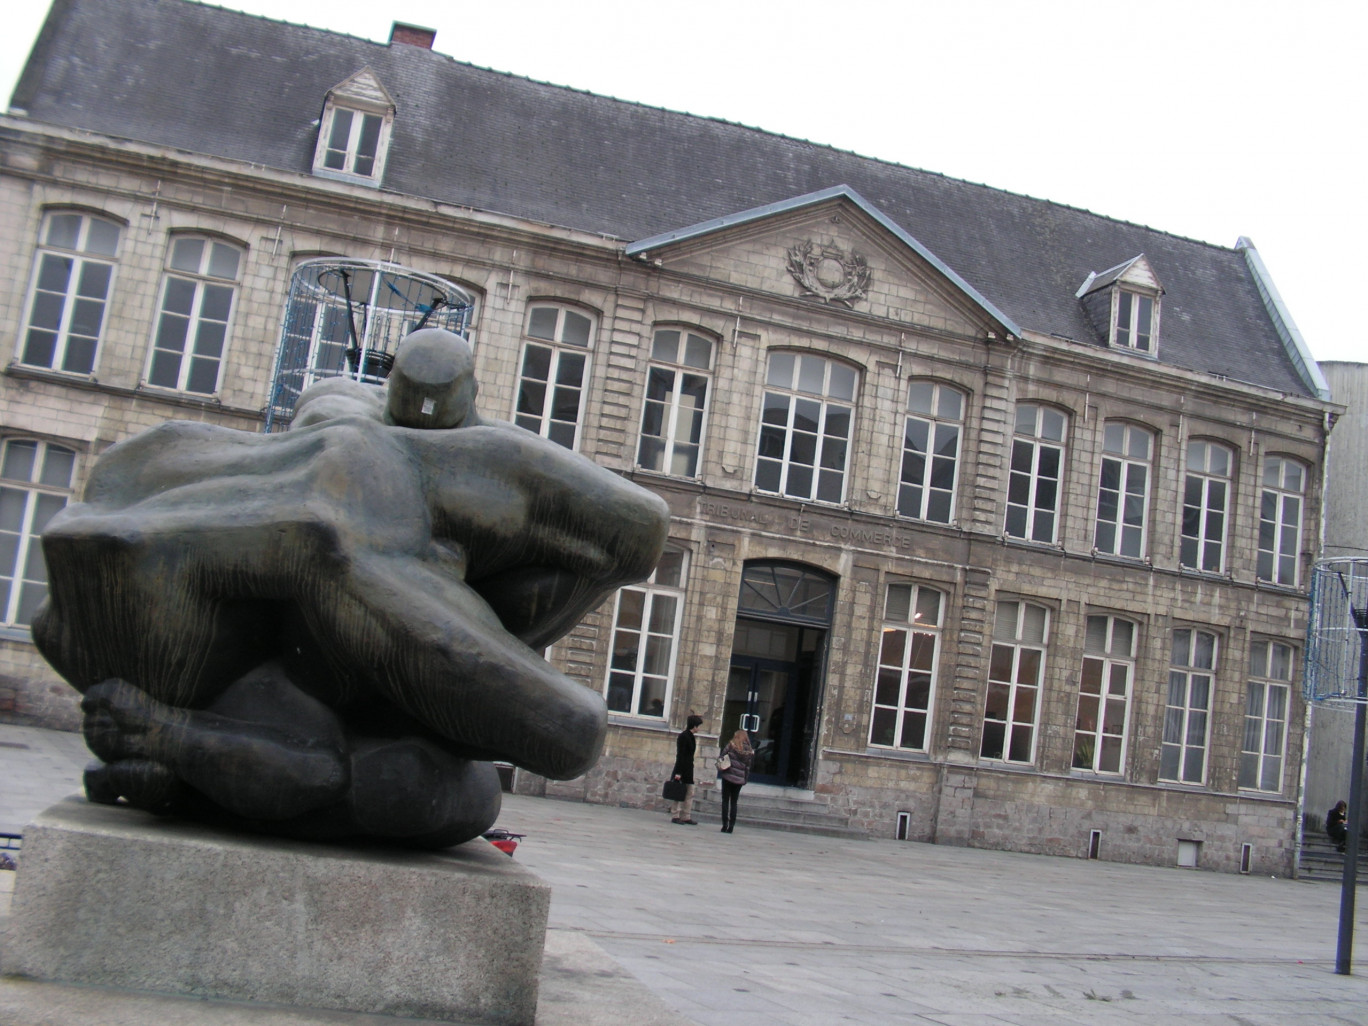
(354, 131)
(1123, 305)
(1134, 322)
(353, 140)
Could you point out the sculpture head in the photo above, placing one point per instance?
(433, 383)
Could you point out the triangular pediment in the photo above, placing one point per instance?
(362, 89)
(831, 249)
(1135, 272)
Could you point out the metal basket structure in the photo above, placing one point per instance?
(1335, 630)
(347, 317)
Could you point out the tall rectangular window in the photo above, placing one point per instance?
(72, 274)
(35, 483)
(931, 442)
(1123, 491)
(805, 427)
(1206, 499)
(1280, 519)
(1135, 321)
(1265, 727)
(908, 654)
(1104, 690)
(555, 367)
(1015, 672)
(353, 142)
(673, 418)
(1033, 481)
(196, 309)
(1187, 713)
(645, 638)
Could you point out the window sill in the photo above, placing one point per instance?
(1281, 589)
(639, 722)
(1255, 794)
(1027, 543)
(1116, 560)
(895, 754)
(801, 502)
(342, 176)
(13, 633)
(1101, 776)
(1210, 575)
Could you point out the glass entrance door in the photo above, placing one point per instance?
(759, 701)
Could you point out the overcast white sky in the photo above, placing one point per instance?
(1205, 118)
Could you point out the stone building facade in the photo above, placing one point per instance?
(991, 518)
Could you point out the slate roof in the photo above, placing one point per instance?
(212, 81)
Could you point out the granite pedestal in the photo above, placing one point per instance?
(114, 897)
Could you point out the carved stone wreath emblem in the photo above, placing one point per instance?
(828, 273)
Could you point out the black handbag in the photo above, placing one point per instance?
(674, 790)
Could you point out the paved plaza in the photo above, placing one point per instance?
(654, 924)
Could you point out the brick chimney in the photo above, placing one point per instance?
(412, 35)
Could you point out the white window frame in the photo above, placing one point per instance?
(562, 349)
(204, 282)
(629, 661)
(82, 262)
(908, 661)
(1023, 661)
(1268, 700)
(1187, 717)
(673, 433)
(932, 434)
(350, 152)
(824, 390)
(1123, 484)
(27, 504)
(1034, 495)
(1205, 520)
(1105, 684)
(1132, 310)
(1282, 504)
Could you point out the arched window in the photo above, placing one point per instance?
(1206, 505)
(675, 413)
(555, 368)
(1104, 692)
(1280, 520)
(73, 272)
(1033, 482)
(646, 639)
(1266, 704)
(1016, 671)
(931, 444)
(805, 427)
(198, 294)
(1123, 490)
(1187, 713)
(909, 652)
(35, 483)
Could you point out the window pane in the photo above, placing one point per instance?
(186, 254)
(576, 330)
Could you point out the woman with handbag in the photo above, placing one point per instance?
(733, 766)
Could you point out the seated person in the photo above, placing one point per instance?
(1334, 824)
(328, 632)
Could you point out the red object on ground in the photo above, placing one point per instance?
(504, 840)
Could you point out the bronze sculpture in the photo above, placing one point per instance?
(328, 632)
